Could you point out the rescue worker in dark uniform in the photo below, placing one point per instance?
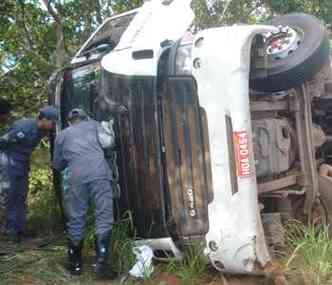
(18, 144)
(79, 151)
(5, 109)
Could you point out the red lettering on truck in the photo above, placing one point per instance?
(241, 148)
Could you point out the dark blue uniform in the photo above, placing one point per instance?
(20, 140)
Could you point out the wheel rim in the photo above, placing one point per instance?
(283, 42)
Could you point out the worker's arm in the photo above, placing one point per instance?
(59, 163)
(14, 135)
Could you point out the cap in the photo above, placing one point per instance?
(77, 113)
(49, 113)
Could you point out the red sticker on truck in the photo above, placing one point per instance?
(241, 147)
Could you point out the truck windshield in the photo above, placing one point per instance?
(81, 86)
(108, 35)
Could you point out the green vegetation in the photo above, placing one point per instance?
(309, 253)
(43, 261)
(123, 235)
(43, 204)
(191, 269)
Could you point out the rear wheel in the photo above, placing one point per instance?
(297, 50)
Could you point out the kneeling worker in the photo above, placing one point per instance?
(79, 150)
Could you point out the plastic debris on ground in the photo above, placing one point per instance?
(143, 267)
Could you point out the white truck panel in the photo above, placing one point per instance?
(223, 89)
(154, 24)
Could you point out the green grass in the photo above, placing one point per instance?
(122, 243)
(191, 269)
(33, 265)
(45, 266)
(309, 251)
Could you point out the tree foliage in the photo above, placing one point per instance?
(253, 11)
(26, 45)
(320, 8)
(36, 40)
(230, 12)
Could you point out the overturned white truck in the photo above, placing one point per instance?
(215, 129)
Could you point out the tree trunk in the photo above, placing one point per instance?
(99, 12)
(60, 39)
(87, 18)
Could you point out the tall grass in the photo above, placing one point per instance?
(310, 253)
(122, 243)
(191, 269)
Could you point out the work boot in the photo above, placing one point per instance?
(101, 267)
(75, 257)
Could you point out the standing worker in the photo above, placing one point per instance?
(5, 109)
(18, 144)
(79, 151)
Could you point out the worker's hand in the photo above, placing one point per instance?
(122, 109)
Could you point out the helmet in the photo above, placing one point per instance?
(77, 113)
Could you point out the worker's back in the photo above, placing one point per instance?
(83, 153)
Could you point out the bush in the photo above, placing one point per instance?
(43, 205)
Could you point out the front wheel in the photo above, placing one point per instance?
(296, 52)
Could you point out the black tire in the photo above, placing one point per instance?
(303, 63)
